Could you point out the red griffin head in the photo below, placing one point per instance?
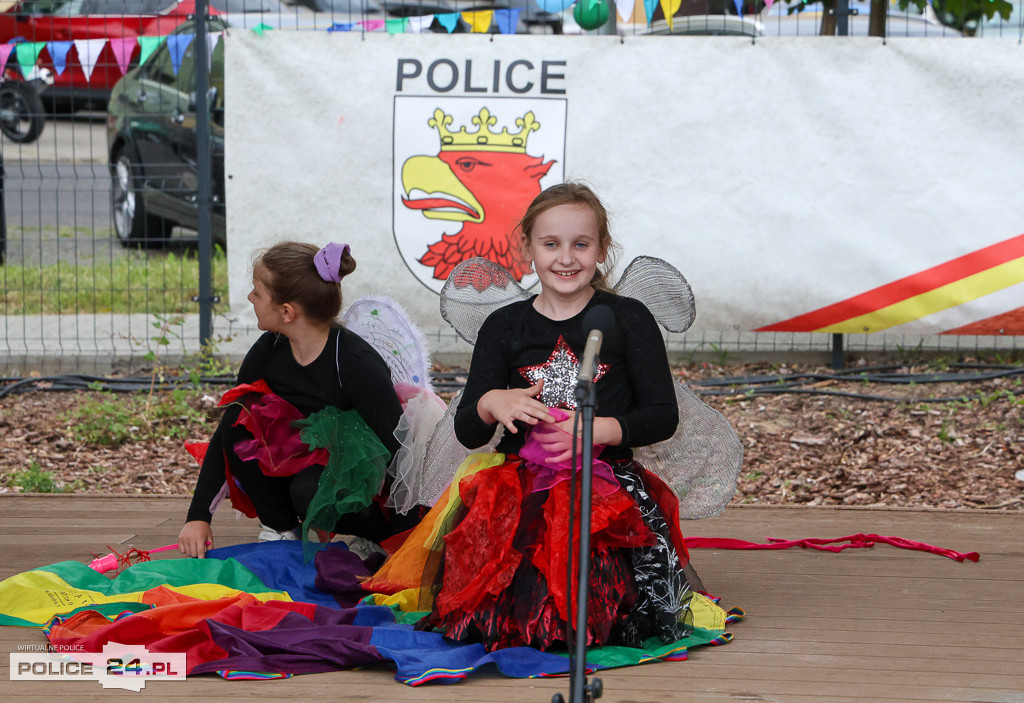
(485, 180)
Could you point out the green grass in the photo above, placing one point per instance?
(113, 420)
(36, 480)
(133, 283)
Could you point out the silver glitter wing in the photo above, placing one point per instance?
(474, 289)
(702, 460)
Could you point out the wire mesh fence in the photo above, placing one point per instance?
(98, 244)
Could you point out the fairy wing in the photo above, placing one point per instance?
(474, 289)
(386, 326)
(702, 460)
(659, 285)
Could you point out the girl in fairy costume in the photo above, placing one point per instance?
(490, 557)
(307, 386)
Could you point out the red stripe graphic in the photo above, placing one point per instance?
(898, 291)
(1009, 323)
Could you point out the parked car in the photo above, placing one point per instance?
(151, 135)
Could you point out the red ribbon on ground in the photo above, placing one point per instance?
(859, 541)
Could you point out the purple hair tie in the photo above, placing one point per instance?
(328, 261)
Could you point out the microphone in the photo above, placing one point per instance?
(599, 320)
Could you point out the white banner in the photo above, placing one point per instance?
(800, 185)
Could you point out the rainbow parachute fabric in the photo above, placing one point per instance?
(259, 611)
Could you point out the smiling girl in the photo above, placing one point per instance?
(502, 566)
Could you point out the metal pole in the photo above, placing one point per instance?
(837, 352)
(203, 196)
(843, 17)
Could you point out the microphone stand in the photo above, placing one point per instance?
(579, 690)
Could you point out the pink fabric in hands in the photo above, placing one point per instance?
(547, 473)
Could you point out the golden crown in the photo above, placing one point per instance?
(484, 139)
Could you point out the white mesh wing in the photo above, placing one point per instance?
(474, 289)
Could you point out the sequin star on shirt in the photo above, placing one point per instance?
(559, 372)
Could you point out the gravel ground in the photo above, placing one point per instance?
(935, 436)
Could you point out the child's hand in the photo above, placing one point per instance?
(555, 438)
(511, 404)
(194, 537)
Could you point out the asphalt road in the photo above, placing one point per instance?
(57, 194)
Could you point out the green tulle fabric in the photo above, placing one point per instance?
(354, 473)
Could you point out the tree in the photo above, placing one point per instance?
(962, 15)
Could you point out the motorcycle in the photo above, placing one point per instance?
(22, 116)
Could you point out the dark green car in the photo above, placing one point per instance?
(151, 135)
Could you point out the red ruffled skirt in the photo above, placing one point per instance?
(490, 561)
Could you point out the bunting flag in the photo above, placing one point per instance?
(259, 611)
(625, 8)
(261, 28)
(985, 272)
(507, 20)
(148, 45)
(89, 51)
(123, 50)
(649, 6)
(479, 21)
(27, 54)
(395, 25)
(371, 25)
(449, 20)
(768, 4)
(421, 24)
(739, 7)
(669, 8)
(5, 53)
(341, 27)
(177, 44)
(554, 6)
(58, 51)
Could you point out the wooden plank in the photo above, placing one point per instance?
(879, 624)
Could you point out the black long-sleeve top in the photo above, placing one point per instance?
(348, 374)
(636, 387)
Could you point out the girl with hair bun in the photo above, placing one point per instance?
(308, 432)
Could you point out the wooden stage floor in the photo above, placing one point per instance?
(864, 625)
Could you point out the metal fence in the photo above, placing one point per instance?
(91, 279)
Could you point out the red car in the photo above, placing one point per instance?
(85, 71)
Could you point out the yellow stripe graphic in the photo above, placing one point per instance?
(936, 300)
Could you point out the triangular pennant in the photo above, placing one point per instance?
(739, 7)
(5, 53)
(768, 4)
(261, 28)
(449, 20)
(341, 27)
(625, 8)
(395, 25)
(421, 24)
(372, 25)
(669, 7)
(59, 55)
(27, 54)
(177, 44)
(89, 51)
(123, 49)
(507, 20)
(554, 6)
(479, 21)
(649, 6)
(147, 46)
